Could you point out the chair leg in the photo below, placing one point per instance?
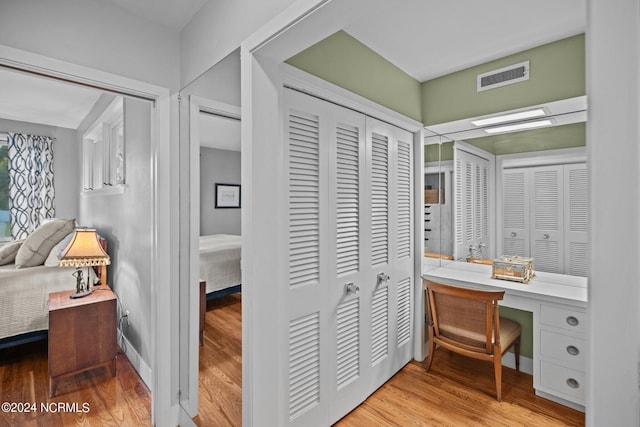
(432, 349)
(516, 351)
(497, 368)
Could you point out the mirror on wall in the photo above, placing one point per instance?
(518, 187)
(438, 203)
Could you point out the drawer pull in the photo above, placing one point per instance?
(572, 321)
(573, 350)
(573, 383)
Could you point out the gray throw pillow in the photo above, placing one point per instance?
(37, 245)
(9, 250)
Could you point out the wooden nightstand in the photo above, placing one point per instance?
(82, 334)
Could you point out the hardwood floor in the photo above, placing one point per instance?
(457, 392)
(92, 398)
(220, 400)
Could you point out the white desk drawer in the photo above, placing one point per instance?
(566, 348)
(559, 317)
(567, 382)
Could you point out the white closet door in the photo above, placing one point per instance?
(576, 220)
(306, 294)
(390, 183)
(471, 205)
(350, 222)
(515, 211)
(547, 218)
(350, 330)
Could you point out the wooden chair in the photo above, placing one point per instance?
(466, 321)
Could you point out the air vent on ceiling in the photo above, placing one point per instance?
(504, 76)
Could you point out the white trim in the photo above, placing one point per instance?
(419, 330)
(542, 158)
(526, 363)
(163, 307)
(105, 191)
(73, 73)
(136, 361)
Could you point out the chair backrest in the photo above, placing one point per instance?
(463, 317)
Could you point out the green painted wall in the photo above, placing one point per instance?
(557, 71)
(344, 61)
(525, 319)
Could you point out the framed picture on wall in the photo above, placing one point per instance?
(227, 196)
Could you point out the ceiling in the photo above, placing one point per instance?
(425, 38)
(432, 38)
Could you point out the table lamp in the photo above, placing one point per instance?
(84, 250)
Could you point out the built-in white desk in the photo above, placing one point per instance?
(558, 303)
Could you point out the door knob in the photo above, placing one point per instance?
(382, 277)
(351, 288)
(546, 236)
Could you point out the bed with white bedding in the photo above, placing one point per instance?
(220, 261)
(24, 295)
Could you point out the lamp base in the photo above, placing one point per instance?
(81, 294)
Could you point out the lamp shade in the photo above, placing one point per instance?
(84, 250)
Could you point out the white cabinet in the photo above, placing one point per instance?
(561, 351)
(544, 213)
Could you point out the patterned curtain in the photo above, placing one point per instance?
(30, 182)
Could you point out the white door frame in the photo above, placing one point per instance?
(164, 306)
(300, 26)
(189, 289)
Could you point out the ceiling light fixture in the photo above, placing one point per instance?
(519, 126)
(522, 115)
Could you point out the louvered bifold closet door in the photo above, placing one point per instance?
(463, 175)
(471, 175)
(304, 389)
(348, 352)
(349, 207)
(390, 184)
(515, 212)
(547, 218)
(576, 220)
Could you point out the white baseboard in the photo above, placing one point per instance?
(526, 364)
(143, 370)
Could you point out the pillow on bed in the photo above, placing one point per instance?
(8, 251)
(37, 245)
(54, 255)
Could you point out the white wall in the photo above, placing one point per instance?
(218, 166)
(218, 29)
(613, 147)
(125, 221)
(66, 163)
(95, 34)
